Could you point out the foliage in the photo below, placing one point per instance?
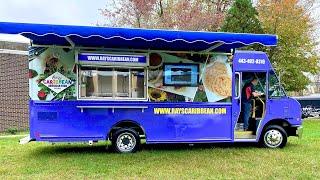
(242, 17)
(12, 130)
(200, 97)
(166, 14)
(295, 53)
(289, 19)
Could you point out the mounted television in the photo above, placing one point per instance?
(180, 74)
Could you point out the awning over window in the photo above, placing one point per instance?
(107, 37)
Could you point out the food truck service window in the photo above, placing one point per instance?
(112, 80)
(113, 83)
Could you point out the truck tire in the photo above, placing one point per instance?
(125, 140)
(274, 136)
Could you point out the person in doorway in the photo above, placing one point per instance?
(248, 92)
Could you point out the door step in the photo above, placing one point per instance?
(25, 140)
(244, 135)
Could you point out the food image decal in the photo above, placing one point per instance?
(57, 82)
(51, 74)
(157, 95)
(217, 81)
(155, 61)
(173, 74)
(32, 73)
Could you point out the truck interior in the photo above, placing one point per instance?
(258, 106)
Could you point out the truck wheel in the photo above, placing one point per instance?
(125, 140)
(274, 136)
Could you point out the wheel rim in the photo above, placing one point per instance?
(273, 138)
(126, 142)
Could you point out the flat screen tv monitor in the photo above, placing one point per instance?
(180, 74)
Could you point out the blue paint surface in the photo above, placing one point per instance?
(251, 61)
(95, 123)
(175, 122)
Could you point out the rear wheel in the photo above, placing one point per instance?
(125, 140)
(274, 136)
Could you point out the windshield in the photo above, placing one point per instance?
(275, 88)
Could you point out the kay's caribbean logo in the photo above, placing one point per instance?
(57, 82)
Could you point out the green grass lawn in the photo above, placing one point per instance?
(300, 159)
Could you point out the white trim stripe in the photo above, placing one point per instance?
(138, 37)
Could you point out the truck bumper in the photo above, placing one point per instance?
(295, 131)
(299, 132)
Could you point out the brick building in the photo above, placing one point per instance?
(14, 89)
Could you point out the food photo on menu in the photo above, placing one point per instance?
(217, 79)
(176, 78)
(47, 65)
(169, 75)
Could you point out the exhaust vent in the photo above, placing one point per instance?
(47, 116)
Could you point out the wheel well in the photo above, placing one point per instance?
(281, 122)
(127, 124)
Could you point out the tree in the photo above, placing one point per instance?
(242, 17)
(166, 14)
(133, 13)
(295, 54)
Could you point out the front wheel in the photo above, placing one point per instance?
(126, 140)
(274, 136)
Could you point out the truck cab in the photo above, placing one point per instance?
(274, 116)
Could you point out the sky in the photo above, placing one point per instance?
(68, 12)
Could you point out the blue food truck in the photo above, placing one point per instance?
(90, 84)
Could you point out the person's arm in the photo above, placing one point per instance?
(255, 94)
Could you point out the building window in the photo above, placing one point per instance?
(112, 83)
